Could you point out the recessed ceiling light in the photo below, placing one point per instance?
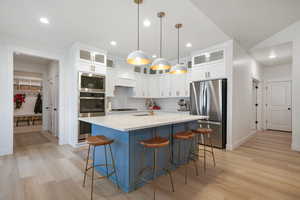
(113, 43)
(44, 20)
(154, 56)
(189, 44)
(272, 56)
(147, 23)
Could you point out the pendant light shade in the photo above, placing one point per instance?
(178, 68)
(160, 63)
(138, 57)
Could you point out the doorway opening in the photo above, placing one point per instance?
(279, 106)
(36, 96)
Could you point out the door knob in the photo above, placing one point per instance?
(289, 108)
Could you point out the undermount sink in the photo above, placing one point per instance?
(143, 114)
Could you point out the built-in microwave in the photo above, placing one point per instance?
(89, 82)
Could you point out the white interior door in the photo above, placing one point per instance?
(279, 106)
(254, 105)
(54, 101)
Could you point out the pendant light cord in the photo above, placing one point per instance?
(160, 48)
(178, 47)
(138, 27)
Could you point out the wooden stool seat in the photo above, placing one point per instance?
(185, 135)
(205, 134)
(98, 140)
(94, 142)
(155, 142)
(203, 131)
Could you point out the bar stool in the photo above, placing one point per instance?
(205, 133)
(186, 137)
(155, 143)
(96, 141)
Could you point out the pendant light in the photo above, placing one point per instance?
(178, 68)
(138, 57)
(160, 63)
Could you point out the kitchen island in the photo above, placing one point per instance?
(127, 130)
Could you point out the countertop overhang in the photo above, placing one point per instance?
(131, 122)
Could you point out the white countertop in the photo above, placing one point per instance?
(129, 122)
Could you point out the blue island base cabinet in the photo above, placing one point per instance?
(130, 156)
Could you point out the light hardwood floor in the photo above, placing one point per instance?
(263, 168)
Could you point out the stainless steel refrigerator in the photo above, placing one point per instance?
(209, 98)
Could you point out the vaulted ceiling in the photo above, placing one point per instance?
(97, 22)
(250, 21)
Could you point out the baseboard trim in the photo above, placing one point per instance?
(4, 152)
(243, 140)
(295, 147)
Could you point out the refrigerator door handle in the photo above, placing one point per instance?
(195, 96)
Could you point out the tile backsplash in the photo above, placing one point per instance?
(123, 99)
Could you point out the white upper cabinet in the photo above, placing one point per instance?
(90, 59)
(178, 85)
(165, 90)
(154, 86)
(110, 83)
(209, 64)
(139, 91)
(208, 71)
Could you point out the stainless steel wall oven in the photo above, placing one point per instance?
(91, 104)
(91, 100)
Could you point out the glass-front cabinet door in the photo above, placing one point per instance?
(85, 56)
(99, 58)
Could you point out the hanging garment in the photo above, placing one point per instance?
(38, 108)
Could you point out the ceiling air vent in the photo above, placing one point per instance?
(218, 55)
(208, 57)
(199, 59)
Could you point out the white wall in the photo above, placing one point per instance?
(6, 89)
(291, 34)
(296, 93)
(273, 73)
(245, 69)
(278, 72)
(6, 100)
